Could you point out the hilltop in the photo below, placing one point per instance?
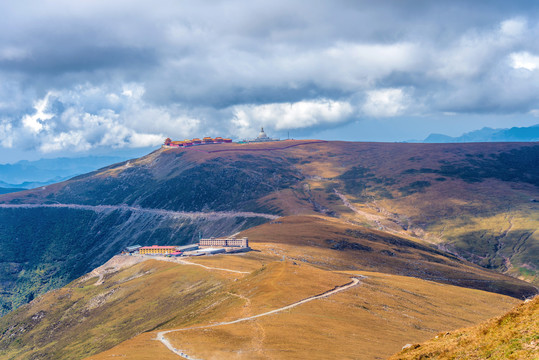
(476, 202)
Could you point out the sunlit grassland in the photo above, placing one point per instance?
(514, 335)
(374, 319)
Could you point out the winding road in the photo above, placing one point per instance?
(210, 215)
(161, 335)
(184, 262)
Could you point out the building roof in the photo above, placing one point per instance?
(157, 247)
(182, 248)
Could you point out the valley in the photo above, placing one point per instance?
(437, 237)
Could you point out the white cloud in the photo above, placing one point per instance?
(513, 27)
(282, 116)
(6, 136)
(143, 140)
(385, 103)
(524, 60)
(180, 68)
(89, 116)
(477, 52)
(36, 122)
(72, 140)
(363, 64)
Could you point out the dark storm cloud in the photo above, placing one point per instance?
(75, 59)
(71, 71)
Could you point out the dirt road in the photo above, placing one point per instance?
(210, 215)
(161, 335)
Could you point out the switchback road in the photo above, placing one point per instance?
(161, 335)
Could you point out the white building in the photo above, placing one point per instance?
(262, 137)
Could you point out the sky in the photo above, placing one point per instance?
(93, 76)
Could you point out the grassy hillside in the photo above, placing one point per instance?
(338, 245)
(45, 248)
(476, 201)
(511, 336)
(365, 322)
(122, 306)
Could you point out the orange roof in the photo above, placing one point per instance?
(196, 139)
(157, 247)
(207, 138)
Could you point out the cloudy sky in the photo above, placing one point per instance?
(100, 76)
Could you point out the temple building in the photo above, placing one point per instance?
(196, 141)
(262, 137)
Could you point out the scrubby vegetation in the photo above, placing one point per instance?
(512, 336)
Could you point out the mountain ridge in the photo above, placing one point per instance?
(439, 193)
(486, 134)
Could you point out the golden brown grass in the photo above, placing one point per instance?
(82, 319)
(120, 318)
(511, 336)
(312, 239)
(370, 321)
(141, 347)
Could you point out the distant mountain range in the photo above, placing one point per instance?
(31, 174)
(487, 134)
(8, 190)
